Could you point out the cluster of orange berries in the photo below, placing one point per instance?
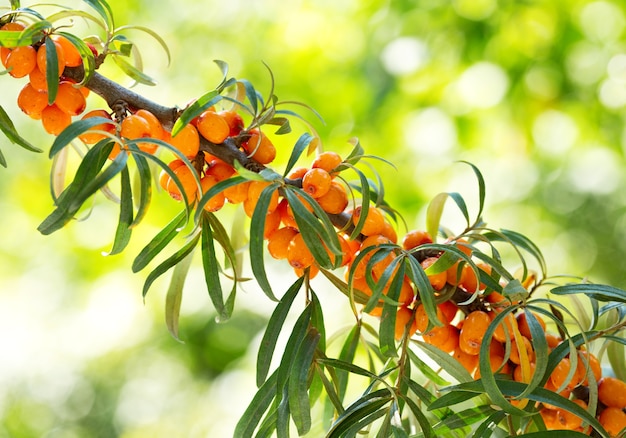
(31, 61)
(461, 335)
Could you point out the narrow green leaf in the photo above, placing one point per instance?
(347, 353)
(132, 72)
(52, 70)
(85, 184)
(426, 370)
(447, 362)
(359, 410)
(217, 188)
(171, 261)
(123, 232)
(464, 418)
(347, 366)
(174, 296)
(257, 407)
(150, 32)
(452, 398)
(298, 333)
(145, 187)
(481, 189)
(460, 203)
(212, 271)
(102, 8)
(487, 427)
(158, 242)
(615, 353)
(8, 128)
(599, 292)
(299, 404)
(73, 131)
(317, 320)
(365, 205)
(257, 240)
(274, 327)
(251, 94)
(301, 145)
(418, 413)
(433, 214)
(3, 161)
(205, 101)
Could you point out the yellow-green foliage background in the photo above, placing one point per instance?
(531, 92)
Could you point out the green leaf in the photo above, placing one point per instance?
(257, 240)
(150, 32)
(86, 182)
(298, 333)
(132, 72)
(158, 242)
(599, 292)
(195, 109)
(426, 370)
(103, 8)
(301, 145)
(433, 214)
(464, 418)
(317, 320)
(89, 62)
(615, 353)
(8, 128)
(447, 362)
(171, 261)
(217, 188)
(145, 186)
(359, 410)
(251, 94)
(212, 270)
(481, 189)
(460, 203)
(274, 327)
(347, 366)
(3, 161)
(174, 296)
(74, 130)
(486, 428)
(347, 354)
(52, 70)
(299, 404)
(123, 232)
(254, 412)
(418, 413)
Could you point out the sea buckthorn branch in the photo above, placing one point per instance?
(449, 300)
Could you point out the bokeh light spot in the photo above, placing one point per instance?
(404, 55)
(483, 85)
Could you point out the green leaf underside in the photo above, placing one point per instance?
(274, 327)
(160, 241)
(123, 232)
(8, 128)
(174, 296)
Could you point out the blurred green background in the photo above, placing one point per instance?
(531, 92)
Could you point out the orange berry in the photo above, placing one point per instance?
(187, 179)
(415, 238)
(155, 128)
(446, 338)
(254, 192)
(403, 319)
(54, 119)
(473, 331)
(586, 359)
(298, 254)
(4, 55)
(522, 323)
(278, 242)
(612, 392)
(220, 170)
(186, 141)
(237, 193)
(213, 127)
(613, 420)
(42, 60)
(313, 271)
(469, 361)
(335, 200)
(553, 340)
(421, 318)
(234, 121)
(560, 372)
(89, 137)
(272, 223)
(374, 222)
(70, 99)
(297, 173)
(437, 281)
(467, 279)
(21, 61)
(316, 182)
(134, 127)
(70, 52)
(449, 310)
(217, 201)
(515, 352)
(496, 364)
(568, 420)
(327, 161)
(500, 334)
(549, 417)
(517, 373)
(13, 26)
(259, 147)
(31, 101)
(38, 80)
